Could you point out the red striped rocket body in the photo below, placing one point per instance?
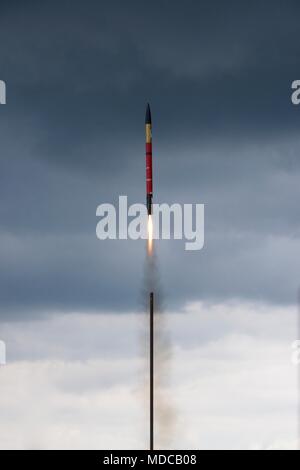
(149, 184)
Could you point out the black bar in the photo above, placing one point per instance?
(151, 373)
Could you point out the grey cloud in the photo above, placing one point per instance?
(72, 137)
(94, 401)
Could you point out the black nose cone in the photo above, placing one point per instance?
(148, 115)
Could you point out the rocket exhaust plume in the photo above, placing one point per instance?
(150, 235)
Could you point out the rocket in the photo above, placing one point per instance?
(149, 188)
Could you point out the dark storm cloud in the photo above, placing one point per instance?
(218, 78)
(85, 72)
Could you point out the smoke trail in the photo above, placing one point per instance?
(164, 413)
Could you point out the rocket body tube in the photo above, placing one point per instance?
(149, 185)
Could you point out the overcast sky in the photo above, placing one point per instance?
(79, 74)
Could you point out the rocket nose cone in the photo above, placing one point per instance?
(148, 115)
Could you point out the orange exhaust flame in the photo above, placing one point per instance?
(150, 235)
